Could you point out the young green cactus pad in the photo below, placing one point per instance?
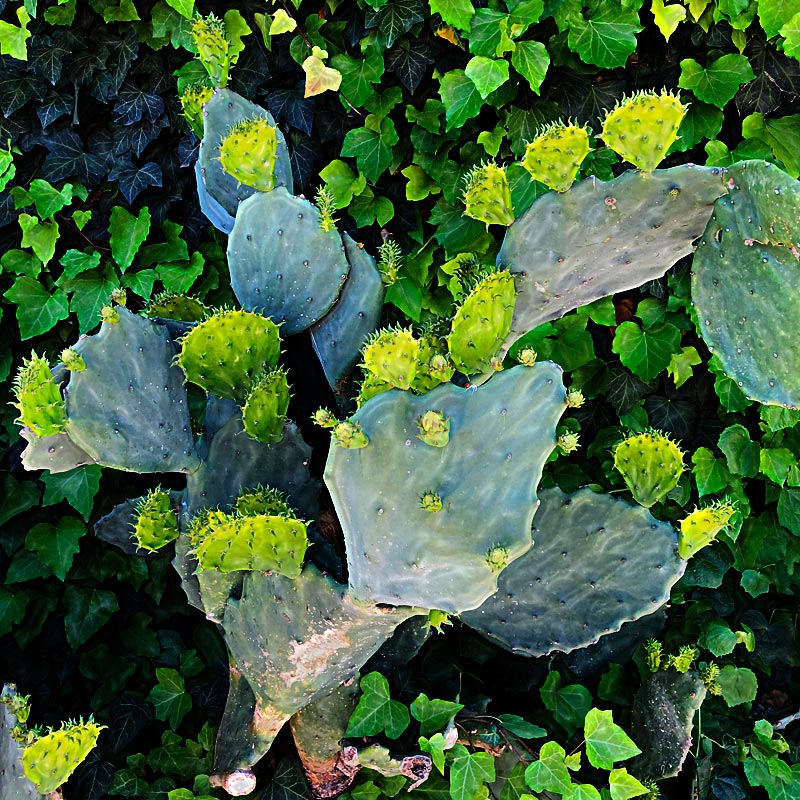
(339, 336)
(744, 276)
(211, 42)
(72, 360)
(169, 305)
(248, 152)
(282, 262)
(600, 237)
(193, 98)
(641, 128)
(596, 563)
(128, 408)
(156, 523)
(651, 464)
(391, 356)
(41, 406)
(294, 641)
(264, 413)
(661, 722)
(500, 435)
(701, 527)
(224, 109)
(262, 501)
(433, 364)
(482, 323)
(487, 196)
(434, 428)
(227, 353)
(349, 435)
(556, 154)
(51, 759)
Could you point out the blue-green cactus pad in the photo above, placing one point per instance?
(128, 408)
(596, 562)
(339, 336)
(214, 211)
(500, 435)
(601, 237)
(57, 453)
(13, 783)
(223, 110)
(281, 261)
(745, 279)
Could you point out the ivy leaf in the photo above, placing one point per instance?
(56, 546)
(606, 39)
(12, 609)
(718, 83)
(290, 105)
(775, 463)
(606, 742)
(376, 711)
(646, 352)
(419, 185)
(791, 32)
(40, 236)
(717, 637)
(468, 772)
(184, 7)
(37, 310)
(435, 747)
(581, 791)
(77, 486)
(67, 157)
(486, 31)
(320, 78)
(127, 234)
(368, 208)
(454, 12)
(531, 60)
(487, 74)
(14, 38)
(623, 786)
(701, 121)
(549, 773)
(47, 199)
(789, 510)
(680, 365)
(133, 104)
(343, 182)
(461, 98)
(710, 473)
(132, 181)
(521, 727)
(407, 296)
(667, 18)
(780, 134)
(409, 63)
(371, 146)
(169, 697)
(568, 704)
(433, 715)
(742, 453)
(358, 75)
(87, 610)
(90, 292)
(773, 14)
(739, 685)
(16, 496)
(395, 18)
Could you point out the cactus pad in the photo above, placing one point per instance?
(482, 323)
(570, 249)
(487, 196)
(596, 563)
(701, 527)
(51, 759)
(743, 285)
(41, 406)
(264, 413)
(500, 435)
(57, 453)
(651, 464)
(248, 152)
(168, 305)
(156, 523)
(262, 501)
(391, 356)
(643, 127)
(228, 352)
(282, 262)
(13, 783)
(556, 154)
(128, 408)
(193, 98)
(211, 42)
(433, 364)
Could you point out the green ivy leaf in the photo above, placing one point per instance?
(457, 13)
(791, 31)
(127, 234)
(184, 7)
(47, 199)
(606, 39)
(701, 121)
(789, 510)
(606, 742)
(773, 14)
(37, 310)
(77, 486)
(56, 546)
(433, 715)
(581, 791)
(90, 292)
(531, 60)
(468, 772)
(87, 610)
(407, 296)
(710, 473)
(180, 276)
(12, 609)
(369, 207)
(169, 697)
(40, 236)
(717, 637)
(775, 463)
(343, 182)
(435, 747)
(780, 134)
(568, 704)
(680, 365)
(667, 18)
(420, 184)
(521, 727)
(719, 82)
(624, 786)
(376, 711)
(739, 685)
(16, 496)
(396, 18)
(646, 352)
(487, 74)
(358, 74)
(461, 98)
(743, 454)
(75, 262)
(14, 38)
(371, 146)
(549, 773)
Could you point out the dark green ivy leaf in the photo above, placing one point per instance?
(409, 61)
(394, 19)
(376, 711)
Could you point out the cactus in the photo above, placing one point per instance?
(52, 758)
(556, 154)
(391, 356)
(211, 42)
(651, 464)
(433, 364)
(13, 783)
(350, 435)
(248, 152)
(596, 563)
(661, 722)
(41, 407)
(398, 552)
(193, 98)
(743, 278)
(262, 500)
(570, 249)
(487, 196)
(339, 336)
(264, 413)
(701, 527)
(56, 453)
(482, 323)
(641, 128)
(434, 428)
(169, 305)
(228, 352)
(282, 262)
(156, 523)
(220, 193)
(72, 361)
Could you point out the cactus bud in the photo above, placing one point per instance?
(326, 205)
(193, 99)
(438, 618)
(487, 197)
(349, 434)
(434, 428)
(575, 399)
(683, 661)
(109, 314)
(73, 360)
(431, 501)
(567, 442)
(390, 257)
(497, 558)
(653, 650)
(324, 418)
(41, 408)
(249, 152)
(556, 154)
(527, 356)
(119, 297)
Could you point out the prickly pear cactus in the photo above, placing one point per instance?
(41, 406)
(156, 522)
(169, 305)
(556, 154)
(13, 783)
(213, 48)
(651, 464)
(744, 274)
(482, 323)
(57, 453)
(641, 128)
(487, 196)
(264, 413)
(601, 237)
(51, 759)
(433, 364)
(701, 527)
(282, 262)
(596, 563)
(391, 356)
(227, 353)
(499, 437)
(220, 113)
(248, 152)
(193, 98)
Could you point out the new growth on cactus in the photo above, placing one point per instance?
(156, 522)
(556, 154)
(211, 41)
(249, 151)
(651, 464)
(193, 98)
(487, 196)
(41, 407)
